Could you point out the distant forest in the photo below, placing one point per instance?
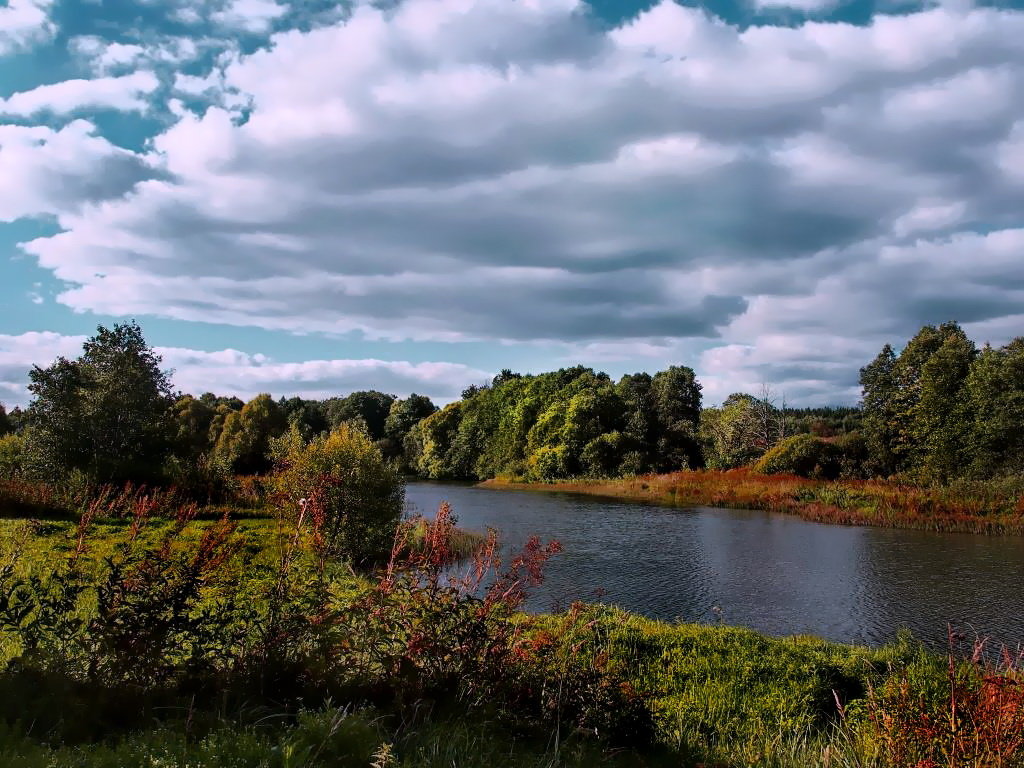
(938, 410)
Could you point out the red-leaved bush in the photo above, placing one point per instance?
(976, 722)
(166, 620)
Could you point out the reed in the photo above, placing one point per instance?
(989, 508)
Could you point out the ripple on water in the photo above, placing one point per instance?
(774, 573)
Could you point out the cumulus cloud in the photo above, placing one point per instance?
(483, 170)
(48, 171)
(249, 15)
(105, 57)
(19, 353)
(24, 23)
(231, 372)
(125, 92)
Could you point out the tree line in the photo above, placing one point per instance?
(942, 409)
(938, 410)
(111, 415)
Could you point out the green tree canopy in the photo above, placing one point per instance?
(370, 408)
(562, 423)
(106, 413)
(995, 396)
(244, 442)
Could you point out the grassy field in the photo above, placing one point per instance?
(592, 685)
(990, 508)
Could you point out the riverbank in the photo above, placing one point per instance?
(988, 508)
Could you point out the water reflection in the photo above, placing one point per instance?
(773, 573)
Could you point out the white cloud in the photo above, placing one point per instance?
(928, 216)
(1010, 157)
(126, 93)
(105, 57)
(231, 372)
(19, 353)
(46, 171)
(479, 169)
(249, 15)
(24, 23)
(807, 6)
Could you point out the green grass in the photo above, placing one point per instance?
(718, 695)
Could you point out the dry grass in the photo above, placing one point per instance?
(979, 508)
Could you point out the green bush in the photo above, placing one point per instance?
(12, 456)
(549, 463)
(345, 475)
(803, 455)
(855, 457)
(603, 455)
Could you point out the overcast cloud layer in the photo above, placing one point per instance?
(765, 204)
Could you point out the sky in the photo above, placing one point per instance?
(310, 198)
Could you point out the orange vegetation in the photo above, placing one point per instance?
(992, 509)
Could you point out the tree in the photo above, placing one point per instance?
(878, 401)
(731, 435)
(310, 416)
(371, 408)
(995, 391)
(107, 413)
(639, 418)
(676, 397)
(402, 417)
(942, 418)
(244, 443)
(360, 496)
(436, 436)
(192, 420)
(915, 416)
(5, 423)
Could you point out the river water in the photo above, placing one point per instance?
(773, 573)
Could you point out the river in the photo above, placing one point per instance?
(774, 573)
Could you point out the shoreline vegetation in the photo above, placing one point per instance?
(983, 508)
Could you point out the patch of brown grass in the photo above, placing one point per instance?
(980, 509)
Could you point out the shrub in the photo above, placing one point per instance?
(12, 456)
(602, 455)
(975, 719)
(549, 463)
(803, 455)
(360, 495)
(855, 458)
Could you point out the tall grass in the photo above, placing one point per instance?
(991, 508)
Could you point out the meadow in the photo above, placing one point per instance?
(140, 630)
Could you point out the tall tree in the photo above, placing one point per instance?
(5, 423)
(995, 389)
(244, 442)
(942, 419)
(640, 421)
(676, 396)
(107, 413)
(368, 408)
(192, 420)
(878, 401)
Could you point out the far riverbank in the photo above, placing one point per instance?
(989, 508)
